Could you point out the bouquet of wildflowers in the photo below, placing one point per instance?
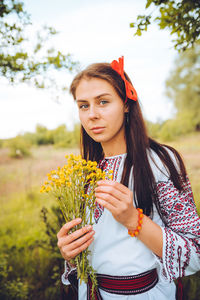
(73, 186)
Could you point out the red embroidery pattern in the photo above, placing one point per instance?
(175, 260)
(68, 270)
(182, 230)
(124, 285)
(106, 165)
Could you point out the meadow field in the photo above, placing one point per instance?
(26, 262)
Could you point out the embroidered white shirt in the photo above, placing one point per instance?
(114, 252)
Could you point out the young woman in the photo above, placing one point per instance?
(146, 230)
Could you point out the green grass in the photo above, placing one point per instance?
(20, 219)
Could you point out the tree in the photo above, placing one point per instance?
(181, 17)
(183, 86)
(25, 59)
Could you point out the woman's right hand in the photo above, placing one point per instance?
(72, 244)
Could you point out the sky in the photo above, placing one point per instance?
(92, 31)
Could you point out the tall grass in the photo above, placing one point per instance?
(189, 147)
(31, 264)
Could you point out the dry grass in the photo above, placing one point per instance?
(189, 148)
(21, 202)
(25, 175)
(22, 175)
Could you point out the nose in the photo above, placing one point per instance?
(93, 112)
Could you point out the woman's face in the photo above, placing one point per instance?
(101, 111)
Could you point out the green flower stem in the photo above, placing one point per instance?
(69, 185)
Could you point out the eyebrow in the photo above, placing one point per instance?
(96, 98)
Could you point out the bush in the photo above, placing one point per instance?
(170, 129)
(173, 128)
(1, 143)
(66, 139)
(18, 147)
(43, 136)
(32, 269)
(60, 137)
(153, 129)
(11, 289)
(191, 286)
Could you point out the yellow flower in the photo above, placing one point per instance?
(42, 190)
(68, 184)
(48, 189)
(71, 156)
(84, 162)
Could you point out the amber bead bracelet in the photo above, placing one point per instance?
(139, 226)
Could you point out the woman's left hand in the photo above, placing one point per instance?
(118, 199)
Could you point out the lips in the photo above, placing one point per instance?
(97, 129)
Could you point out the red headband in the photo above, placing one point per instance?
(119, 68)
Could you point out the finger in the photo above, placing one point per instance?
(107, 205)
(111, 191)
(66, 227)
(78, 250)
(68, 239)
(117, 185)
(82, 240)
(108, 198)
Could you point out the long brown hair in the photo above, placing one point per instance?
(137, 141)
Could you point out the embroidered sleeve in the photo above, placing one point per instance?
(181, 235)
(68, 269)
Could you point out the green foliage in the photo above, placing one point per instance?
(153, 129)
(16, 290)
(53, 221)
(11, 289)
(29, 274)
(191, 286)
(1, 143)
(22, 60)
(66, 139)
(172, 128)
(43, 136)
(29, 256)
(59, 137)
(183, 86)
(181, 17)
(30, 264)
(18, 147)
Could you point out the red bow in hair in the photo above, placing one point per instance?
(118, 66)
